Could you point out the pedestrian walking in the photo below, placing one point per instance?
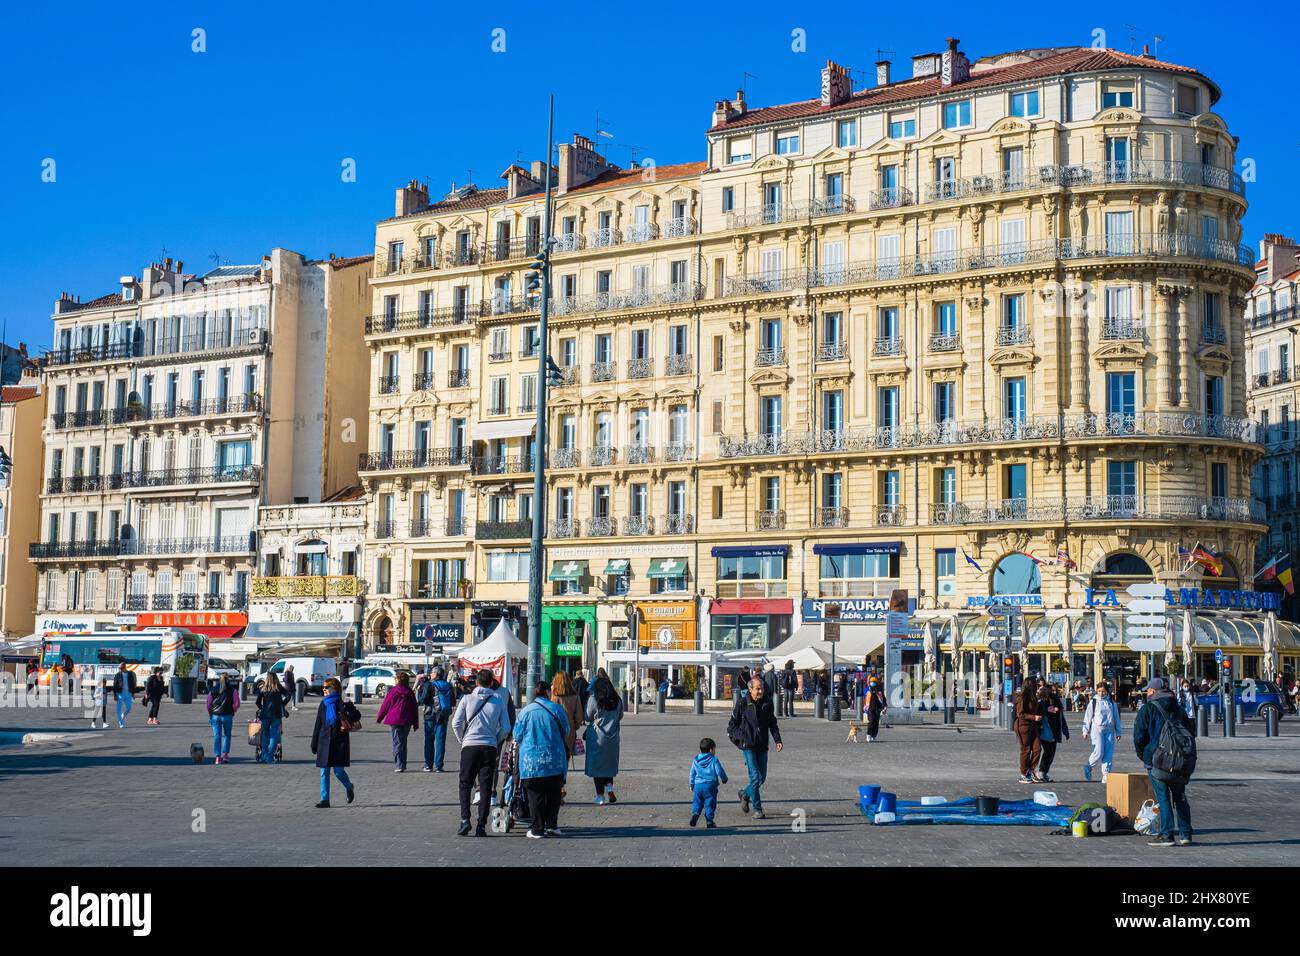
(788, 681)
(601, 738)
(1055, 730)
(753, 721)
(480, 724)
(1187, 698)
(400, 714)
(331, 740)
(154, 688)
(291, 688)
(1029, 729)
(583, 687)
(876, 706)
(437, 696)
(223, 701)
(565, 695)
(123, 692)
(270, 714)
(771, 685)
(707, 775)
(542, 732)
(1101, 724)
(1165, 740)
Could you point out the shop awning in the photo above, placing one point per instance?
(509, 428)
(770, 551)
(266, 631)
(567, 570)
(752, 606)
(618, 566)
(668, 567)
(856, 640)
(862, 547)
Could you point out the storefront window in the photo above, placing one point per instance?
(740, 633)
(673, 585)
(751, 576)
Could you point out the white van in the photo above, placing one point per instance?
(309, 672)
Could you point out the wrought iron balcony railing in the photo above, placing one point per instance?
(770, 520)
(568, 242)
(565, 458)
(672, 294)
(501, 464)
(458, 378)
(888, 345)
(602, 455)
(505, 250)
(1014, 335)
(389, 384)
(832, 517)
(422, 381)
(450, 316)
(563, 528)
(418, 458)
(1102, 508)
(832, 351)
(455, 526)
(679, 227)
(679, 451)
(641, 232)
(603, 238)
(78, 484)
(604, 371)
(215, 340)
(638, 525)
(385, 529)
(677, 524)
(768, 357)
(499, 530)
(678, 365)
(890, 515)
(569, 375)
(1121, 328)
(1214, 334)
(602, 526)
(306, 586)
(637, 454)
(945, 342)
(640, 368)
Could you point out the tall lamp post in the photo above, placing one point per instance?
(538, 277)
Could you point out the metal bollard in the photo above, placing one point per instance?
(835, 708)
(660, 697)
(949, 714)
(1239, 714)
(1202, 721)
(858, 707)
(699, 702)
(819, 706)
(356, 690)
(1268, 725)
(300, 692)
(1270, 722)
(1009, 715)
(1230, 721)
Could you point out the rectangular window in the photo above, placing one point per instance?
(1024, 104)
(1218, 479)
(902, 127)
(717, 418)
(1015, 482)
(1121, 398)
(956, 115)
(1188, 99)
(770, 415)
(1013, 399)
(888, 406)
(717, 501)
(787, 143)
(717, 353)
(1121, 483)
(728, 198)
(946, 490)
(846, 133)
(1116, 94)
(945, 404)
(740, 149)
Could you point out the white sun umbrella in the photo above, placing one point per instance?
(1171, 652)
(1189, 638)
(812, 658)
(1099, 645)
(932, 645)
(954, 642)
(1270, 646)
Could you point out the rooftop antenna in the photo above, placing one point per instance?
(633, 149)
(601, 131)
(216, 259)
(1132, 37)
(1158, 38)
(885, 54)
(744, 83)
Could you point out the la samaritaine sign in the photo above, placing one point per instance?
(1196, 598)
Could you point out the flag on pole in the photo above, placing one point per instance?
(1063, 558)
(1284, 576)
(1211, 562)
(1269, 571)
(971, 561)
(1026, 554)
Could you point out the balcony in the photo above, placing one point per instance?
(678, 365)
(135, 602)
(501, 530)
(603, 238)
(422, 381)
(563, 528)
(679, 451)
(239, 601)
(455, 526)
(679, 227)
(87, 419)
(638, 525)
(675, 293)
(604, 371)
(568, 242)
(389, 384)
(1123, 329)
(640, 368)
(1214, 335)
(1278, 316)
(602, 456)
(507, 250)
(945, 342)
(501, 356)
(154, 479)
(641, 232)
(892, 198)
(677, 524)
(214, 601)
(602, 527)
(566, 458)
(435, 590)
(306, 586)
(1014, 335)
(639, 454)
(887, 346)
(1103, 508)
(833, 351)
(778, 280)
(768, 357)
(769, 444)
(385, 529)
(450, 316)
(770, 520)
(831, 206)
(569, 375)
(419, 458)
(227, 544)
(216, 340)
(422, 528)
(890, 515)
(835, 517)
(528, 404)
(501, 464)
(458, 378)
(162, 602)
(1281, 375)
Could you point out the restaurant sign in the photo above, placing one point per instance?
(852, 610)
(1195, 598)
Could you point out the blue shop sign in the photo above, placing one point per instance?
(1196, 598)
(1004, 600)
(852, 610)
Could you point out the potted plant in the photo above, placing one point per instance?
(183, 680)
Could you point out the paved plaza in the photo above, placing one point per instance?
(68, 801)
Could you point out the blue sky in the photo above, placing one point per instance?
(239, 149)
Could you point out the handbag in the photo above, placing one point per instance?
(579, 747)
(1147, 818)
(349, 717)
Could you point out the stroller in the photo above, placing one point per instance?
(513, 792)
(255, 741)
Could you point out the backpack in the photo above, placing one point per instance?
(1174, 759)
(1102, 820)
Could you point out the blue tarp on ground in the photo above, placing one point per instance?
(1010, 813)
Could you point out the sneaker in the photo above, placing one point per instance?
(1024, 779)
(535, 836)
(323, 805)
(437, 770)
(1104, 775)
(1182, 841)
(1162, 841)
(554, 831)
(695, 818)
(1044, 778)
(398, 770)
(599, 801)
(428, 770)
(1087, 772)
(612, 798)
(464, 828)
(744, 801)
(759, 814)
(352, 793)
(710, 825)
(480, 830)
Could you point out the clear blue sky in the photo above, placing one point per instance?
(238, 149)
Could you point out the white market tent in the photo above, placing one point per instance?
(500, 643)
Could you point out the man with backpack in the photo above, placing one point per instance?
(752, 722)
(438, 700)
(1165, 740)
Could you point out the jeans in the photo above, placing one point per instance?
(477, 764)
(544, 802)
(1172, 798)
(339, 772)
(1103, 749)
(221, 726)
(270, 738)
(399, 745)
(154, 702)
(787, 702)
(704, 798)
(123, 707)
(435, 742)
(756, 764)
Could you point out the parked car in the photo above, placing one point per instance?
(308, 672)
(218, 666)
(375, 679)
(1256, 697)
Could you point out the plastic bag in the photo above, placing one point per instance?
(1148, 818)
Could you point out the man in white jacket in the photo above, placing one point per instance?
(480, 724)
(1101, 725)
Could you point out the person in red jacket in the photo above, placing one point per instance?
(401, 713)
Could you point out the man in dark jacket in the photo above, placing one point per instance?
(789, 682)
(1171, 795)
(752, 721)
(124, 689)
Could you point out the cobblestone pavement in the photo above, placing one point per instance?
(60, 800)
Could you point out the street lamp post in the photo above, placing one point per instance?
(541, 270)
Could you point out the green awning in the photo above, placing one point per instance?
(568, 570)
(618, 566)
(668, 567)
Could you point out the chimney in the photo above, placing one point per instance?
(837, 85)
(925, 64)
(882, 73)
(955, 68)
(726, 110)
(579, 163)
(412, 197)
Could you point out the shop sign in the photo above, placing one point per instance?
(67, 625)
(667, 626)
(399, 648)
(192, 619)
(851, 609)
(1191, 598)
(441, 632)
(1013, 600)
(306, 612)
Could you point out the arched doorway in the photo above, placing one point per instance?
(382, 631)
(1119, 569)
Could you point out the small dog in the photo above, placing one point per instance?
(196, 753)
(854, 729)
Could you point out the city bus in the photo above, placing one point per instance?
(97, 655)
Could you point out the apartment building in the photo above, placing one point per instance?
(178, 406)
(22, 414)
(977, 332)
(1273, 320)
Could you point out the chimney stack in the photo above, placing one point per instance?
(837, 85)
(955, 68)
(412, 197)
(726, 110)
(882, 73)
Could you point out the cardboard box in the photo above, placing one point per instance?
(1126, 792)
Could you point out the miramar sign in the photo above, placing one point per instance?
(1196, 598)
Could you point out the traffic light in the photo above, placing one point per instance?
(6, 465)
(533, 277)
(554, 374)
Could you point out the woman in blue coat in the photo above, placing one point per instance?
(541, 731)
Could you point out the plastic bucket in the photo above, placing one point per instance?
(888, 802)
(868, 795)
(986, 806)
(1079, 828)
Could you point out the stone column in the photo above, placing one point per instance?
(973, 346)
(1077, 296)
(1186, 349)
(1236, 405)
(1164, 354)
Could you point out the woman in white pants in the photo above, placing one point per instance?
(1101, 726)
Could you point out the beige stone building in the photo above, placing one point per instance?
(911, 336)
(22, 416)
(178, 406)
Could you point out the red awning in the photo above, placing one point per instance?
(753, 606)
(219, 633)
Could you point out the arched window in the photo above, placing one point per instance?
(1126, 563)
(1017, 574)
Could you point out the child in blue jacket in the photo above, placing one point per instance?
(707, 775)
